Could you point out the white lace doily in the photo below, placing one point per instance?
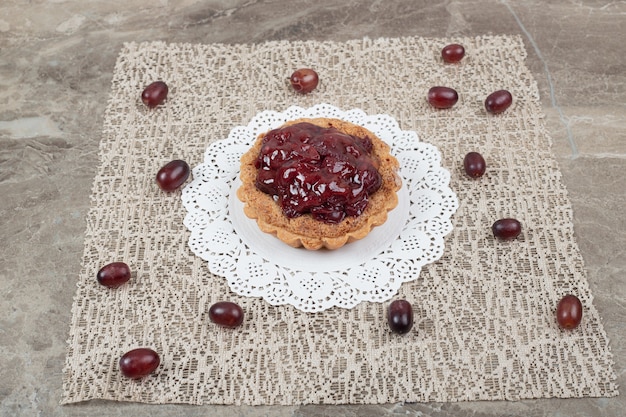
(259, 265)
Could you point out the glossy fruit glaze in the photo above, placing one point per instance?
(321, 171)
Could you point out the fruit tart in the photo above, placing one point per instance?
(318, 183)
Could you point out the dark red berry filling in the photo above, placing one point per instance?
(317, 170)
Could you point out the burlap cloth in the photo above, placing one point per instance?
(485, 326)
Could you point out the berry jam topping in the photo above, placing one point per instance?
(317, 170)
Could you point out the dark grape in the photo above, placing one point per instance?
(453, 53)
(226, 314)
(114, 274)
(154, 94)
(569, 312)
(498, 101)
(400, 316)
(442, 97)
(506, 229)
(172, 175)
(138, 363)
(304, 80)
(474, 165)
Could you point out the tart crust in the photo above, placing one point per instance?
(305, 231)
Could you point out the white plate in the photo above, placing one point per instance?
(257, 264)
(299, 259)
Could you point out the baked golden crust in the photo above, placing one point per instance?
(305, 231)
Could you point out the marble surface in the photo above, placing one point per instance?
(56, 63)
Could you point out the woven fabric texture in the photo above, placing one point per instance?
(485, 324)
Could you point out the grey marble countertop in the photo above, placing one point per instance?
(56, 64)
